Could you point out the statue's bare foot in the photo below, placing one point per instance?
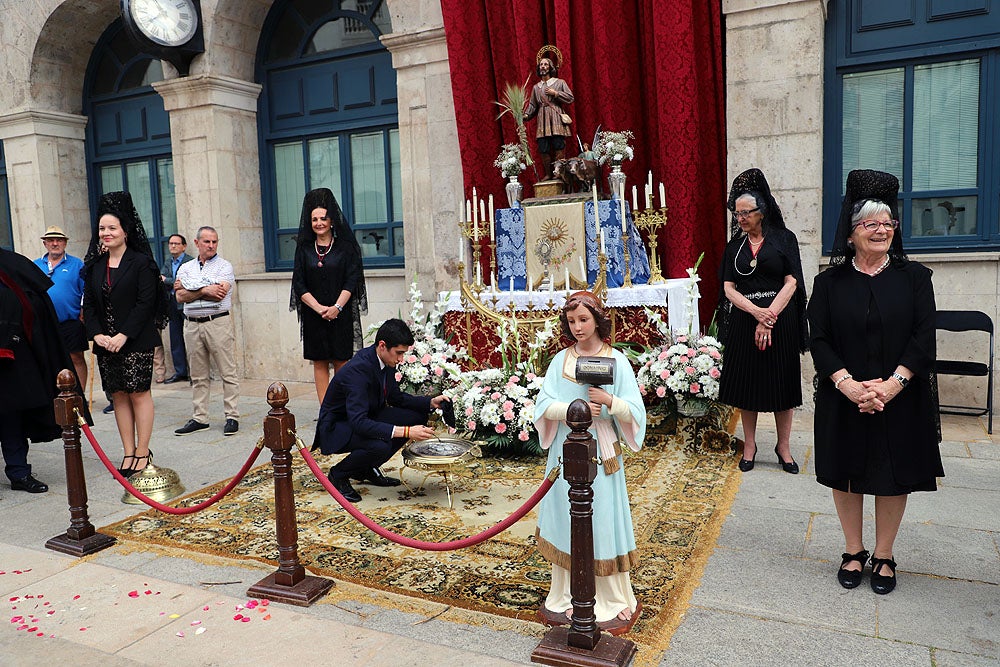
(625, 614)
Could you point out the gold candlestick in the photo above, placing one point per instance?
(651, 220)
(471, 231)
(493, 263)
(627, 280)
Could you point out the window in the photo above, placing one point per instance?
(6, 230)
(328, 119)
(128, 134)
(919, 110)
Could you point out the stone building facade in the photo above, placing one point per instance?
(777, 73)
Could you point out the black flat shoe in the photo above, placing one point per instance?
(850, 578)
(791, 467)
(883, 584)
(376, 478)
(350, 494)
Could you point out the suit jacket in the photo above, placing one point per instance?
(133, 301)
(167, 271)
(358, 392)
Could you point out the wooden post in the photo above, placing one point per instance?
(80, 538)
(582, 643)
(289, 583)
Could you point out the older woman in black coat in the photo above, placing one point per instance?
(871, 317)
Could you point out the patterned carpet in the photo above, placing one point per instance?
(681, 487)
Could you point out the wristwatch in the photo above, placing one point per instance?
(902, 380)
(338, 307)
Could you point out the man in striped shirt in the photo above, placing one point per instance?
(205, 288)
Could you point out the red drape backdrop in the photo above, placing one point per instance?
(650, 66)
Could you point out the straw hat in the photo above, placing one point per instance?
(54, 232)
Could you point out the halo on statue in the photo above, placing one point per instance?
(554, 50)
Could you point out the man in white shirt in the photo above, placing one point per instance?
(205, 287)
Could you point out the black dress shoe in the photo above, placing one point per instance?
(175, 378)
(791, 468)
(851, 578)
(232, 427)
(191, 427)
(29, 484)
(376, 478)
(350, 494)
(882, 583)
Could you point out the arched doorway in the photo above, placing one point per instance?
(128, 136)
(328, 118)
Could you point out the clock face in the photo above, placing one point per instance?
(166, 22)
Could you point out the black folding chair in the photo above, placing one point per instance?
(968, 320)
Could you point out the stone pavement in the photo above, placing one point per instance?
(768, 595)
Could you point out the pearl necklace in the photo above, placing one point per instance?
(877, 271)
(321, 255)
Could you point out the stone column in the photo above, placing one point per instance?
(213, 132)
(47, 177)
(431, 169)
(774, 114)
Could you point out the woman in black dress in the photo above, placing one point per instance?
(124, 307)
(761, 317)
(328, 287)
(873, 342)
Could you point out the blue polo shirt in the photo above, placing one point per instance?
(67, 289)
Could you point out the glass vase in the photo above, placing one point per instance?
(514, 190)
(692, 406)
(616, 179)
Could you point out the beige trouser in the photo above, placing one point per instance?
(206, 341)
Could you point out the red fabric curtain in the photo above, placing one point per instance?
(650, 66)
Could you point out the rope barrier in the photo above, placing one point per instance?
(160, 506)
(418, 544)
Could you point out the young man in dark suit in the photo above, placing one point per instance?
(365, 413)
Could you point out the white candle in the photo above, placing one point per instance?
(597, 218)
(479, 274)
(649, 181)
(649, 196)
(663, 196)
(468, 212)
(635, 198)
(583, 270)
(461, 248)
(621, 203)
(604, 243)
(482, 211)
(566, 269)
(552, 283)
(511, 284)
(530, 286)
(490, 221)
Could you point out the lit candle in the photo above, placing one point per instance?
(566, 269)
(583, 270)
(493, 238)
(635, 198)
(621, 202)
(663, 196)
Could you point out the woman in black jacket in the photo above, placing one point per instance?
(871, 317)
(124, 307)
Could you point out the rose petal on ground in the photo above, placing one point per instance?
(205, 608)
(267, 618)
(180, 634)
(133, 594)
(245, 619)
(237, 617)
(195, 622)
(199, 631)
(76, 597)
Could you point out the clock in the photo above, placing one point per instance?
(168, 29)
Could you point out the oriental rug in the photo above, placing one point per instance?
(681, 487)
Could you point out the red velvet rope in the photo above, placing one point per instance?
(418, 544)
(160, 506)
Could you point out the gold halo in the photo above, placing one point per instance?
(554, 50)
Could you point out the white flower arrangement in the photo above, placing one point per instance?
(512, 160)
(614, 146)
(498, 407)
(432, 364)
(686, 368)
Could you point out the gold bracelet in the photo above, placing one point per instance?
(406, 432)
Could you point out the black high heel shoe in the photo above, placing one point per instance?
(881, 583)
(747, 465)
(791, 467)
(149, 459)
(126, 472)
(851, 578)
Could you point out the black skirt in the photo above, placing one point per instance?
(756, 380)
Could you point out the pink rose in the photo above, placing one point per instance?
(426, 359)
(399, 376)
(439, 371)
(715, 354)
(500, 428)
(471, 425)
(411, 358)
(523, 436)
(514, 379)
(661, 391)
(509, 416)
(664, 374)
(703, 349)
(496, 396)
(469, 411)
(695, 387)
(507, 406)
(531, 376)
(714, 373)
(642, 389)
(691, 352)
(690, 370)
(663, 355)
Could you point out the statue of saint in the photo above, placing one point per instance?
(547, 101)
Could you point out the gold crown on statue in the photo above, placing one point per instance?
(550, 49)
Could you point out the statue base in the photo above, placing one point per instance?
(557, 198)
(547, 188)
